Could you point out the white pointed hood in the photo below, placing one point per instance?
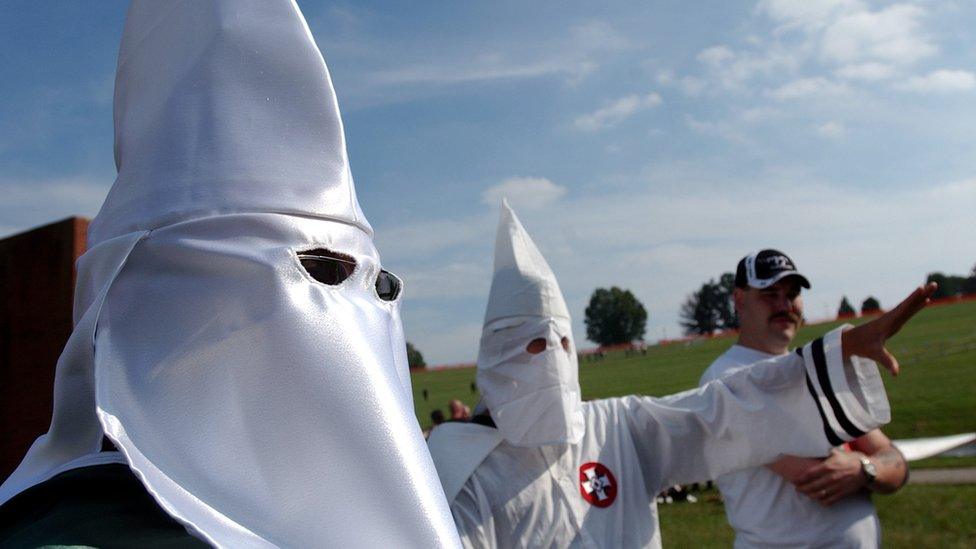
(258, 403)
(522, 283)
(223, 107)
(533, 397)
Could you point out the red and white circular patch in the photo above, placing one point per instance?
(597, 484)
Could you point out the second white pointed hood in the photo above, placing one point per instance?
(522, 283)
(527, 366)
(262, 399)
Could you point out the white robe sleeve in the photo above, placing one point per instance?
(803, 404)
(473, 517)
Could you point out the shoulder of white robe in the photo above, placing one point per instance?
(457, 450)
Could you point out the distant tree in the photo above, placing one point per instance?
(614, 316)
(870, 305)
(697, 314)
(711, 308)
(726, 304)
(949, 285)
(846, 310)
(415, 360)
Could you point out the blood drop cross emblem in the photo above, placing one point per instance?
(597, 484)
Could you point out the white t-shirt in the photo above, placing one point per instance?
(600, 492)
(767, 511)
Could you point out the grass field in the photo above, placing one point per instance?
(934, 395)
(917, 516)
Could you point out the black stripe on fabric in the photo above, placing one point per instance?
(820, 362)
(832, 438)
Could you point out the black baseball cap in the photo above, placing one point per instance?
(764, 268)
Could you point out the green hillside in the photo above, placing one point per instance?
(934, 395)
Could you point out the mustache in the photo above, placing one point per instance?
(793, 317)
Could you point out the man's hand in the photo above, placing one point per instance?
(792, 468)
(835, 478)
(868, 339)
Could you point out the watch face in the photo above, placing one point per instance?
(869, 469)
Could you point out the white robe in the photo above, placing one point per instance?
(507, 496)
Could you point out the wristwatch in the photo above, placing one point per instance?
(869, 470)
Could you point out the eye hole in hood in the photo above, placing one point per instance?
(536, 346)
(326, 266)
(539, 345)
(333, 268)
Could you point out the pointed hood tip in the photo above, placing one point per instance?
(183, 150)
(522, 284)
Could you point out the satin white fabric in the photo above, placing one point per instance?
(534, 399)
(223, 106)
(461, 446)
(259, 406)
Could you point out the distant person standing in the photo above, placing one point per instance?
(459, 412)
(799, 502)
(436, 418)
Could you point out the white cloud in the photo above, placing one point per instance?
(735, 70)
(728, 131)
(831, 130)
(893, 35)
(382, 69)
(866, 71)
(489, 69)
(758, 114)
(941, 81)
(716, 56)
(808, 87)
(807, 15)
(405, 242)
(616, 112)
(524, 192)
(690, 85)
(599, 35)
(27, 201)
(456, 279)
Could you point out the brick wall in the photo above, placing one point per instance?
(37, 279)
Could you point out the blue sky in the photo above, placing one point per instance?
(647, 146)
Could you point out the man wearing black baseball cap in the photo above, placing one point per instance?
(767, 299)
(828, 502)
